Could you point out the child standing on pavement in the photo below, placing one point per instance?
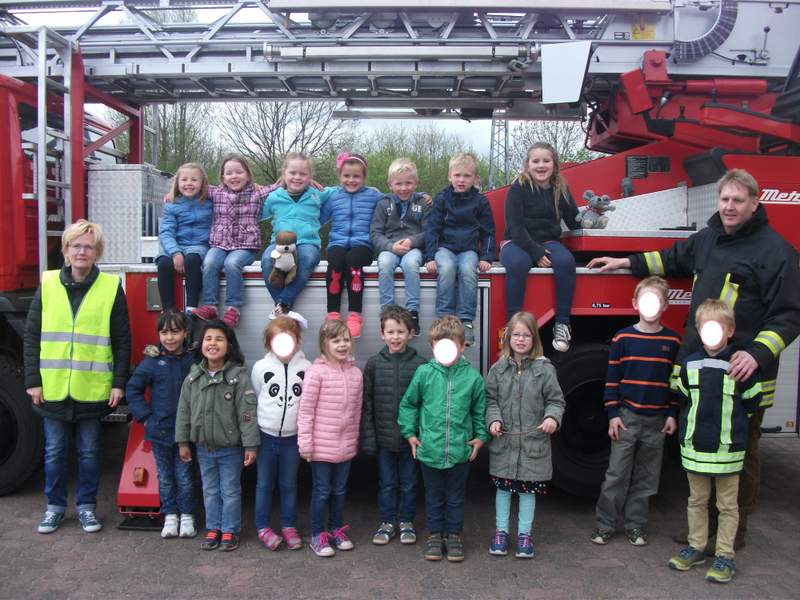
(713, 439)
(327, 434)
(398, 234)
(386, 378)
(442, 416)
(278, 381)
(524, 406)
(641, 410)
(163, 370)
(183, 235)
(217, 411)
(459, 242)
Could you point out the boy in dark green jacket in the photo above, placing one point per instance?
(442, 416)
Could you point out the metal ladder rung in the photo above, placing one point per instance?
(59, 184)
(56, 133)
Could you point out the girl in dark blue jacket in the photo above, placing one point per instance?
(163, 371)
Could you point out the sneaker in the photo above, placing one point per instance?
(211, 542)
(601, 537)
(562, 334)
(454, 547)
(207, 312)
(89, 521)
(231, 317)
(354, 321)
(321, 546)
(230, 542)
(384, 534)
(524, 546)
(269, 538)
(292, 538)
(170, 529)
(722, 570)
(636, 536)
(469, 333)
(414, 322)
(187, 529)
(408, 535)
(433, 547)
(334, 314)
(340, 539)
(50, 521)
(499, 545)
(686, 559)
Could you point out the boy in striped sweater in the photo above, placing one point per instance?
(641, 410)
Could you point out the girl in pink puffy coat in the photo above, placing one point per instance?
(327, 433)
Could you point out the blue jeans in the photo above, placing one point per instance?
(307, 259)
(328, 489)
(232, 262)
(517, 263)
(460, 300)
(397, 471)
(444, 497)
(221, 471)
(278, 461)
(87, 445)
(175, 481)
(527, 506)
(410, 263)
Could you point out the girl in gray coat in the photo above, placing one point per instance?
(524, 406)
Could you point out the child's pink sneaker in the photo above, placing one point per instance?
(340, 539)
(269, 538)
(206, 312)
(231, 317)
(333, 315)
(292, 538)
(354, 321)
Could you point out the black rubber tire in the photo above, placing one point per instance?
(581, 446)
(21, 436)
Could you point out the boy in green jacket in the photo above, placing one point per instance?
(442, 417)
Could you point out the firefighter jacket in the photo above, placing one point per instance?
(713, 428)
(754, 270)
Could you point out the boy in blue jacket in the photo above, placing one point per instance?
(459, 242)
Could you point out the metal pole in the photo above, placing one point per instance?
(41, 149)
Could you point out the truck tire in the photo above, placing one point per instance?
(20, 429)
(581, 446)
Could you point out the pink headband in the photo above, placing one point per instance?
(344, 156)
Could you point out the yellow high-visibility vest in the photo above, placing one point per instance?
(75, 358)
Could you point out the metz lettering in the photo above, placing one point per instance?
(678, 296)
(774, 195)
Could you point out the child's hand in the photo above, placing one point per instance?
(496, 428)
(249, 457)
(431, 266)
(476, 446)
(670, 426)
(548, 425)
(614, 425)
(484, 266)
(544, 262)
(177, 262)
(317, 185)
(185, 453)
(167, 198)
(401, 247)
(306, 457)
(426, 198)
(414, 442)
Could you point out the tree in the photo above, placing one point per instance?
(183, 135)
(567, 137)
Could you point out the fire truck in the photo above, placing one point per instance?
(675, 92)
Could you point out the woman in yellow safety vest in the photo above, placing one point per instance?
(77, 355)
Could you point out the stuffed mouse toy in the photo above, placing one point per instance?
(593, 217)
(284, 269)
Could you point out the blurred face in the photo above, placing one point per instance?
(190, 182)
(215, 346)
(650, 304)
(521, 340)
(338, 349)
(284, 345)
(396, 335)
(234, 175)
(403, 186)
(736, 206)
(81, 253)
(540, 166)
(462, 178)
(297, 175)
(351, 177)
(172, 339)
(714, 334)
(447, 351)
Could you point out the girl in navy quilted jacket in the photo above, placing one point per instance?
(350, 206)
(163, 371)
(183, 235)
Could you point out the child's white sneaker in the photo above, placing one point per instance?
(187, 526)
(170, 529)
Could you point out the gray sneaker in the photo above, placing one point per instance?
(383, 534)
(89, 521)
(469, 333)
(50, 521)
(408, 535)
(562, 334)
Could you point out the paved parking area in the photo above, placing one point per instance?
(139, 565)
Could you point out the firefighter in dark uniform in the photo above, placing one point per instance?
(740, 259)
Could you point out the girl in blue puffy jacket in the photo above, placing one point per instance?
(183, 235)
(350, 207)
